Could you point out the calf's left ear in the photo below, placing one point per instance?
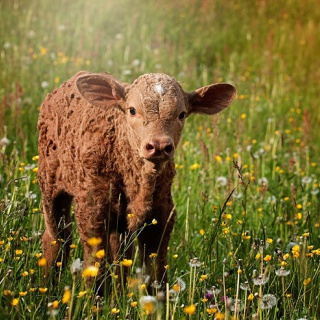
(211, 99)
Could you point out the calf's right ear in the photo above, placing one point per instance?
(101, 90)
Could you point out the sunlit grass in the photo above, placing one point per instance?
(246, 241)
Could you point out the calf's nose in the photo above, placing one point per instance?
(162, 147)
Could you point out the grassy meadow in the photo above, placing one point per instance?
(246, 242)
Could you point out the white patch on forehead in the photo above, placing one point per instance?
(158, 88)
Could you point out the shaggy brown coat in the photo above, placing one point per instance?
(109, 146)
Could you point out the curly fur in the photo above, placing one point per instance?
(94, 153)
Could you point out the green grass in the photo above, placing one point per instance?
(265, 147)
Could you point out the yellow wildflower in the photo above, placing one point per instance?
(42, 262)
(15, 302)
(100, 254)
(190, 309)
(90, 271)
(267, 258)
(127, 262)
(93, 242)
(66, 295)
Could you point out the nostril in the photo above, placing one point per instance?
(149, 147)
(168, 149)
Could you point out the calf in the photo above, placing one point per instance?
(109, 147)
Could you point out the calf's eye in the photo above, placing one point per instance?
(182, 115)
(132, 111)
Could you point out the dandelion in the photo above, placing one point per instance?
(267, 258)
(18, 252)
(43, 290)
(66, 295)
(154, 221)
(260, 280)
(42, 262)
(195, 166)
(282, 272)
(76, 266)
(4, 142)
(25, 273)
(245, 286)
(115, 311)
(81, 294)
(203, 277)
(55, 304)
(295, 251)
(222, 181)
(268, 301)
(306, 180)
(202, 232)
(90, 271)
(263, 181)
(219, 316)
(218, 158)
(23, 293)
(127, 263)
(100, 254)
(194, 262)
(93, 242)
(133, 304)
(307, 281)
(190, 310)
(148, 304)
(269, 241)
(179, 286)
(14, 302)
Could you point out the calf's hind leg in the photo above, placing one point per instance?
(57, 238)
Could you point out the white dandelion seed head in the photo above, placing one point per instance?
(194, 262)
(236, 304)
(263, 181)
(182, 285)
(4, 142)
(44, 84)
(306, 180)
(147, 301)
(135, 62)
(282, 272)
(260, 280)
(268, 301)
(76, 266)
(222, 181)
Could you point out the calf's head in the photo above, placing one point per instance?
(155, 108)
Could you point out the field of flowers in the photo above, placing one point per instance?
(246, 243)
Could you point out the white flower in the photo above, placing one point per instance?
(7, 45)
(260, 280)
(148, 304)
(263, 181)
(76, 266)
(282, 272)
(222, 181)
(4, 142)
(135, 62)
(306, 180)
(194, 262)
(44, 84)
(315, 191)
(237, 195)
(268, 301)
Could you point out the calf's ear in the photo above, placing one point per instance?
(101, 90)
(211, 99)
